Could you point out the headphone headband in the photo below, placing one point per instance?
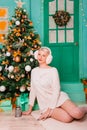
(46, 48)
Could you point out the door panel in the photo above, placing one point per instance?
(63, 41)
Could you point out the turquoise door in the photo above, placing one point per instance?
(64, 40)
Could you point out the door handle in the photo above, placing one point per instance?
(76, 43)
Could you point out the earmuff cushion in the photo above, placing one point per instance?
(49, 57)
(36, 54)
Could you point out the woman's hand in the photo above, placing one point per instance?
(28, 112)
(46, 114)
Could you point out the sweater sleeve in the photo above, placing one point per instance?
(56, 89)
(32, 95)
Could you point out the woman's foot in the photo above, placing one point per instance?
(84, 108)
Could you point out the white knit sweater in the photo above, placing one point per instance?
(45, 86)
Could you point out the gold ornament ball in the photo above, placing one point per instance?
(9, 49)
(3, 50)
(17, 87)
(16, 69)
(23, 29)
(22, 75)
(17, 59)
(23, 16)
(19, 15)
(25, 44)
(35, 46)
(25, 59)
(22, 20)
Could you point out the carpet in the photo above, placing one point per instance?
(52, 124)
(8, 121)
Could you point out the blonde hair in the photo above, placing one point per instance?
(45, 49)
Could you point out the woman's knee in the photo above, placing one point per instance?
(77, 113)
(67, 119)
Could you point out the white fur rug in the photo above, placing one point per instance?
(51, 124)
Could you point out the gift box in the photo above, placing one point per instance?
(5, 105)
(5, 102)
(23, 101)
(6, 108)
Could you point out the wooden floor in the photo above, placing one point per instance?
(8, 121)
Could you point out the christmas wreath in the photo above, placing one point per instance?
(61, 17)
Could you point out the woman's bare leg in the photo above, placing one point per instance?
(61, 115)
(73, 110)
(83, 108)
(69, 111)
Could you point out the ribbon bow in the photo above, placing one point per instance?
(17, 53)
(23, 100)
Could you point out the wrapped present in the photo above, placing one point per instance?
(23, 101)
(5, 102)
(6, 108)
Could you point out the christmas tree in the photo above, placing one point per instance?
(17, 54)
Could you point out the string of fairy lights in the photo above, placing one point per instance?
(82, 7)
(41, 12)
(39, 19)
(84, 11)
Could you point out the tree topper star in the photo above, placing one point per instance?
(19, 3)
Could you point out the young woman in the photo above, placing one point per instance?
(45, 86)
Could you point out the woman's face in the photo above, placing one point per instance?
(42, 56)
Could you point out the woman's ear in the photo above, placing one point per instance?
(36, 54)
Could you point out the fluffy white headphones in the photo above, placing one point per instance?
(49, 57)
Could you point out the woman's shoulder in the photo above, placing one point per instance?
(49, 69)
(54, 69)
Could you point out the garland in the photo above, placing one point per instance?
(61, 17)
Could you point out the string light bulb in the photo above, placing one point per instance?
(83, 14)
